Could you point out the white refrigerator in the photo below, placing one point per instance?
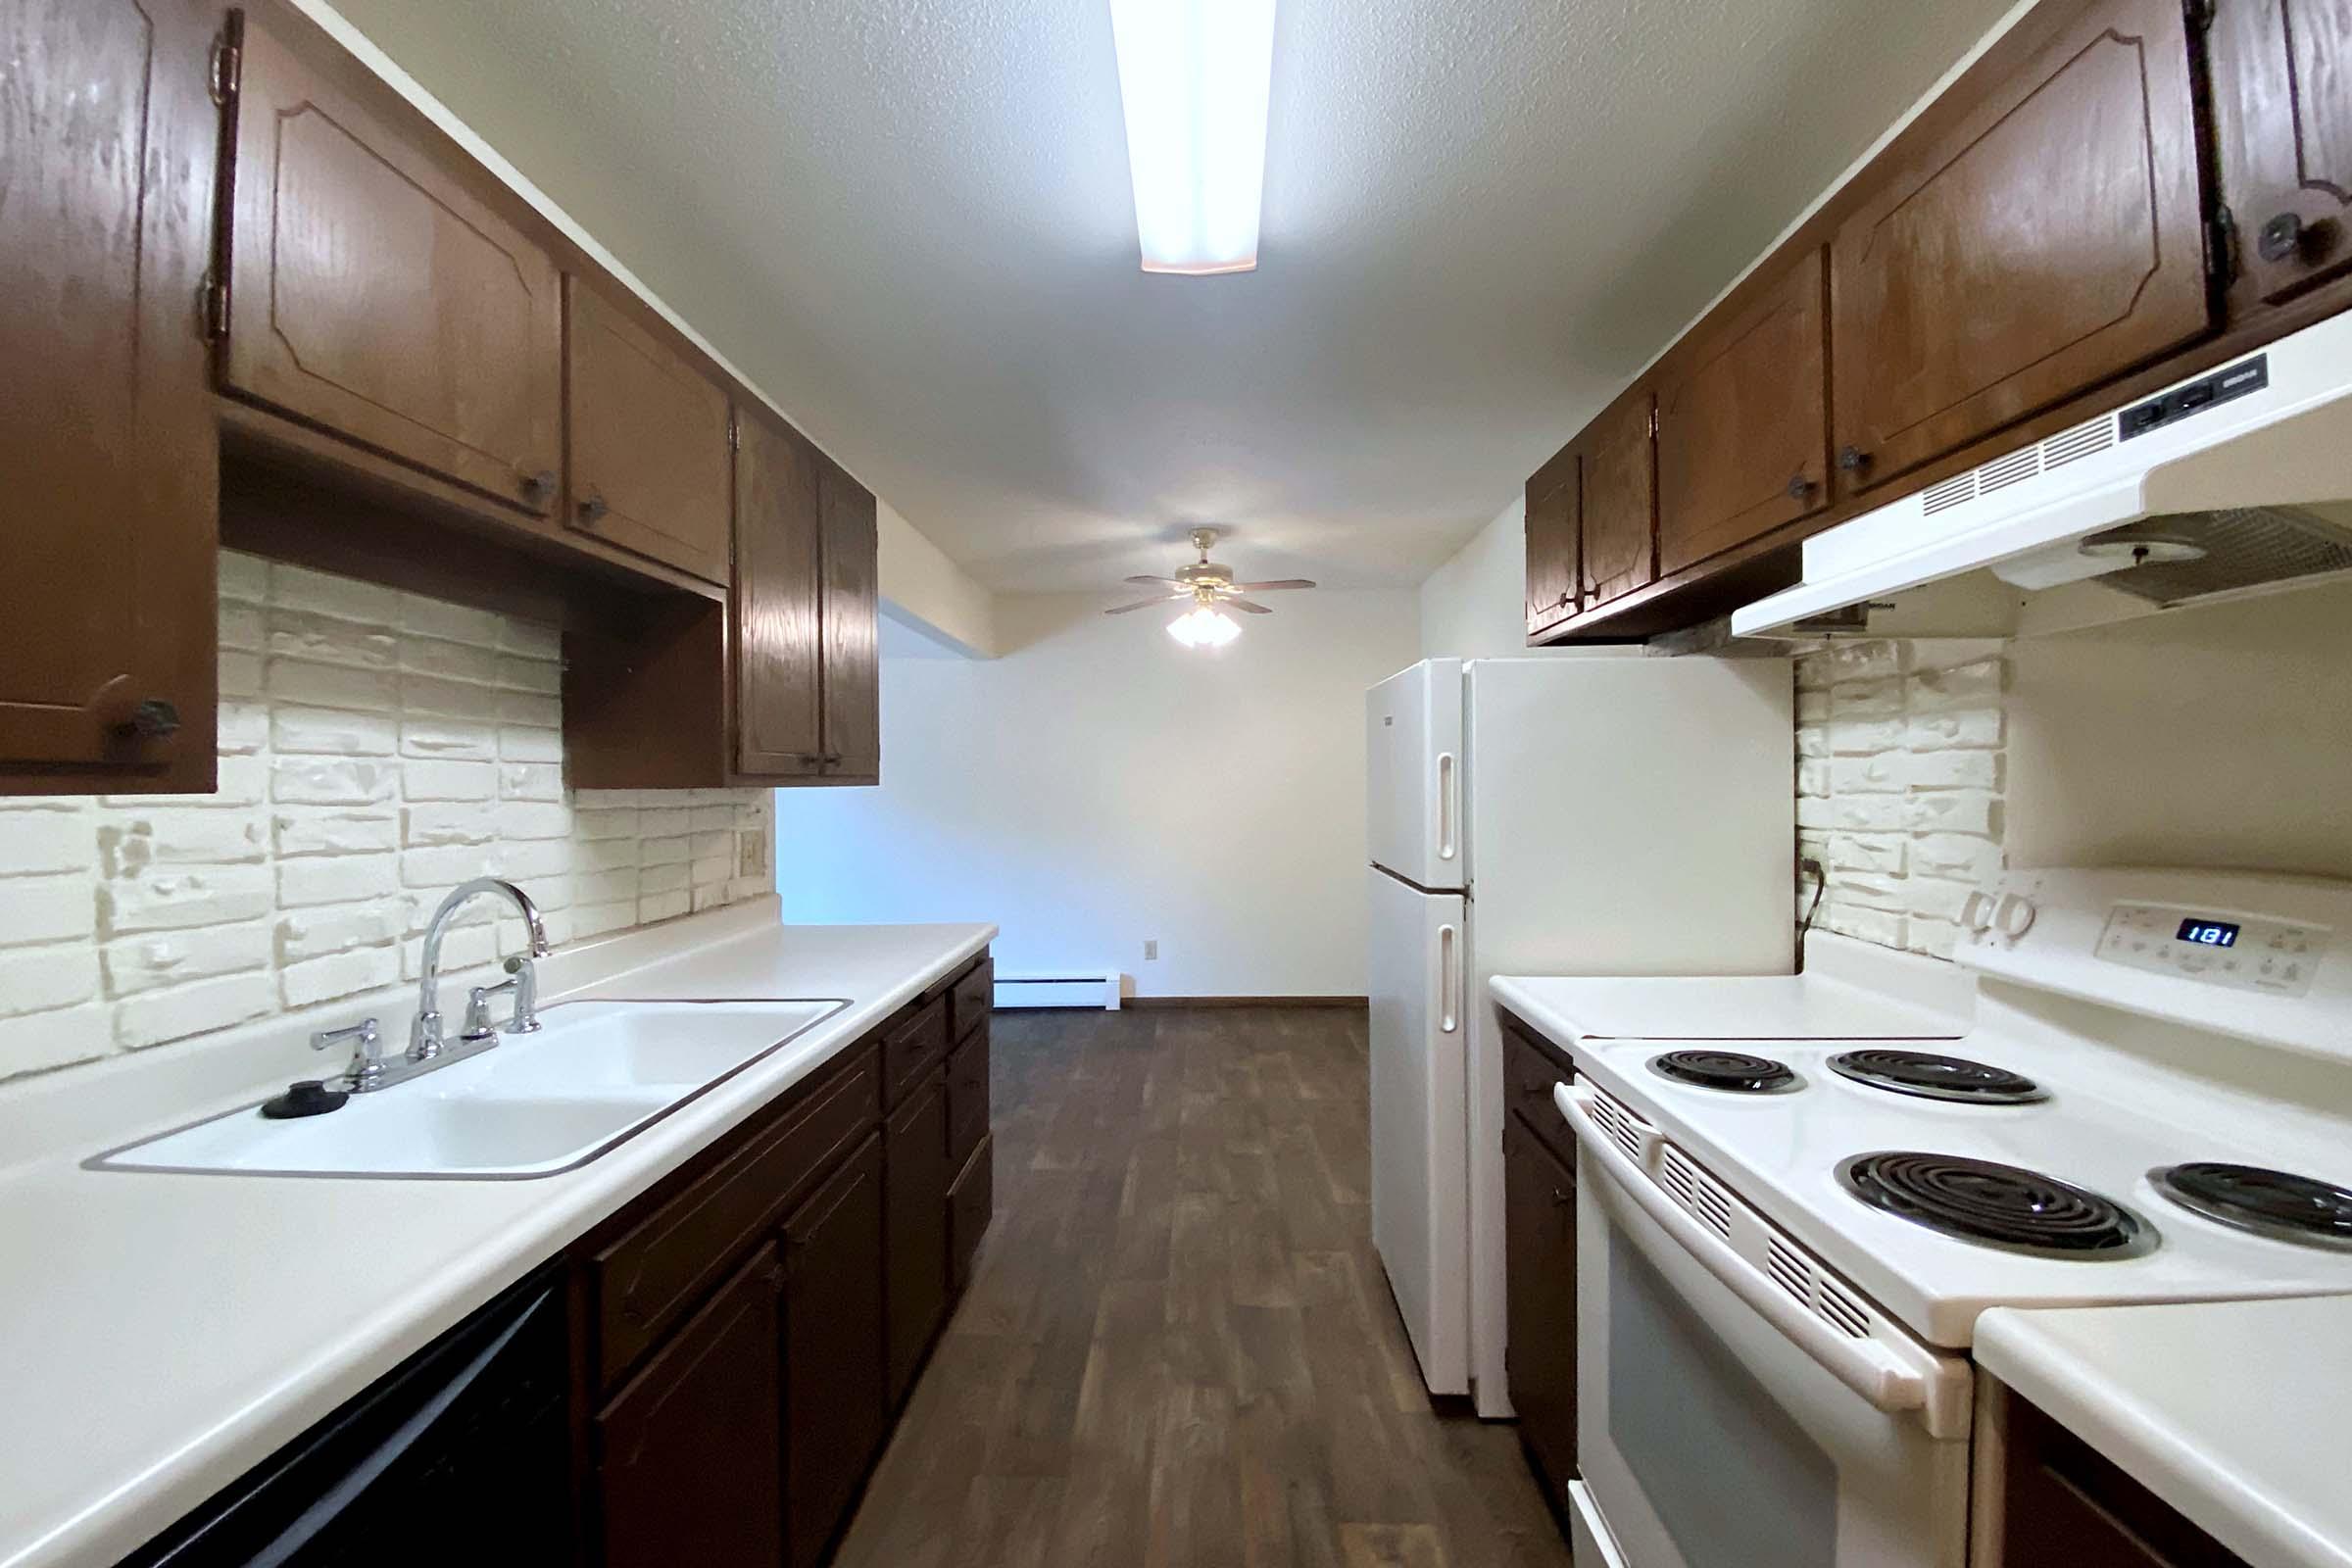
(1603, 813)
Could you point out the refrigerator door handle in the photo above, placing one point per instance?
(1449, 807)
(1449, 979)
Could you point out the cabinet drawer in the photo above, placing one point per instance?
(967, 1095)
(1529, 1070)
(973, 997)
(971, 1201)
(911, 1046)
(648, 1279)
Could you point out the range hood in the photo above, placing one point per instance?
(2229, 484)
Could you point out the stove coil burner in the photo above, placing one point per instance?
(1732, 1071)
(2276, 1203)
(1999, 1206)
(1932, 1077)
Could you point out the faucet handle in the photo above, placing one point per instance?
(478, 1027)
(368, 1052)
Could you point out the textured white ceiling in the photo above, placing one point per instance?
(909, 222)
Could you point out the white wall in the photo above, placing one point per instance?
(376, 748)
(1474, 605)
(1097, 785)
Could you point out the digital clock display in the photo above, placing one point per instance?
(2209, 933)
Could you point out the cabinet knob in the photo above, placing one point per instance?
(1852, 459)
(1801, 488)
(539, 488)
(152, 721)
(2281, 238)
(593, 510)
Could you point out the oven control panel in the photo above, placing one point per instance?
(2248, 952)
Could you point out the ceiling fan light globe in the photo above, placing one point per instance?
(1204, 627)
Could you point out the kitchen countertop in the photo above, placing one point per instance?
(159, 1334)
(2234, 1412)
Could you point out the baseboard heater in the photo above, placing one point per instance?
(1065, 988)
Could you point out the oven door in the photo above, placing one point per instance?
(1737, 1408)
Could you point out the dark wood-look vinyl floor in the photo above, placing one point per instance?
(1178, 1347)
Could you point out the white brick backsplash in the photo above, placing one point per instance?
(1900, 779)
(38, 979)
(34, 842)
(298, 833)
(156, 1016)
(377, 748)
(168, 957)
(332, 732)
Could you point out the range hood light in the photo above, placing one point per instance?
(1195, 78)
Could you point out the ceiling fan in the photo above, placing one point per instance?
(1211, 590)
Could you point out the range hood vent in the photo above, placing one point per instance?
(2234, 482)
(2198, 555)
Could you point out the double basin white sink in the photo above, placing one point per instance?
(594, 1075)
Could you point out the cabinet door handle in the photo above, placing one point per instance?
(539, 488)
(1853, 460)
(1801, 488)
(2281, 238)
(593, 510)
(152, 721)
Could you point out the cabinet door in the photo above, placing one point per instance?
(1618, 477)
(779, 565)
(916, 1171)
(649, 463)
(833, 1392)
(375, 296)
(851, 673)
(106, 148)
(687, 1454)
(2282, 130)
(2042, 237)
(2061, 1502)
(1552, 535)
(1539, 1196)
(1743, 422)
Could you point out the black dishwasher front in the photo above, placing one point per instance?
(461, 1454)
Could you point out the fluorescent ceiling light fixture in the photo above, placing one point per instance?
(1204, 627)
(1195, 76)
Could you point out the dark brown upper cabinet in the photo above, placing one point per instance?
(853, 752)
(650, 467)
(1743, 422)
(2038, 233)
(1617, 469)
(1552, 498)
(2283, 132)
(779, 582)
(106, 428)
(375, 296)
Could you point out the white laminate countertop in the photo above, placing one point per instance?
(2235, 1412)
(159, 1334)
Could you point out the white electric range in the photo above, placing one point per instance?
(1784, 1241)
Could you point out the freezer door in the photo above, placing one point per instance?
(1420, 1161)
(1413, 750)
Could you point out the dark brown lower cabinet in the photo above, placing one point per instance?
(2063, 1503)
(971, 1203)
(916, 1154)
(833, 1411)
(689, 1454)
(1540, 1300)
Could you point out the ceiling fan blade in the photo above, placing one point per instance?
(1153, 582)
(1147, 604)
(1245, 607)
(1270, 587)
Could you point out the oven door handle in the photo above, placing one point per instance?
(1870, 1368)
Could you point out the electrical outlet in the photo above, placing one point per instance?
(1151, 950)
(750, 855)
